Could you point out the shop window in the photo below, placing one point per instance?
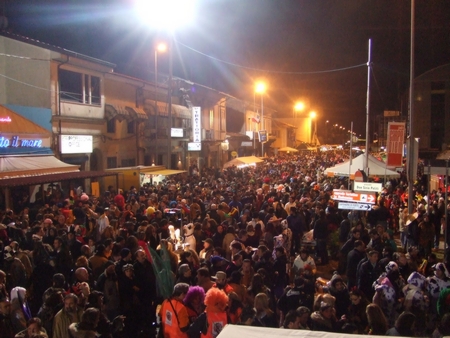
(131, 127)
(111, 162)
(111, 126)
(77, 87)
(128, 162)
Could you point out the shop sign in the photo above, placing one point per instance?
(5, 119)
(76, 144)
(16, 142)
(196, 124)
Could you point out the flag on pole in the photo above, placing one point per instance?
(256, 118)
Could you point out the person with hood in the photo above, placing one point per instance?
(416, 301)
(211, 322)
(338, 289)
(388, 292)
(435, 285)
(20, 311)
(404, 325)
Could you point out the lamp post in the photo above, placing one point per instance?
(161, 47)
(260, 88)
(166, 16)
(313, 116)
(326, 131)
(299, 106)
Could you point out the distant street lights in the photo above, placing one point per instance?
(260, 88)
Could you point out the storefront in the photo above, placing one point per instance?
(26, 160)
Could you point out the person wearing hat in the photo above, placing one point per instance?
(174, 314)
(207, 251)
(222, 283)
(125, 258)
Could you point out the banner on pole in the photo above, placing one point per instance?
(394, 145)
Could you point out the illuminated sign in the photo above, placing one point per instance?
(76, 144)
(196, 124)
(194, 146)
(16, 142)
(176, 132)
(5, 119)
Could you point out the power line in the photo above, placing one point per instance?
(271, 71)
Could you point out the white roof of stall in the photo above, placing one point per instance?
(233, 331)
(25, 166)
(376, 168)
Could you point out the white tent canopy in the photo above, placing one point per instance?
(23, 166)
(233, 331)
(376, 168)
(241, 161)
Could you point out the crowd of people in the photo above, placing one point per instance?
(253, 248)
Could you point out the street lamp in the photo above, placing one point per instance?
(313, 116)
(299, 106)
(326, 131)
(260, 88)
(161, 48)
(166, 16)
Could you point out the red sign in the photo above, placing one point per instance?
(394, 145)
(346, 195)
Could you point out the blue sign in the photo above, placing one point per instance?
(15, 142)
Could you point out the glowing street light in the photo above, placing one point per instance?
(299, 106)
(167, 16)
(160, 48)
(260, 88)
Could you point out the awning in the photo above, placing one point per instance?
(49, 178)
(24, 166)
(138, 114)
(114, 111)
(164, 172)
(241, 161)
(177, 110)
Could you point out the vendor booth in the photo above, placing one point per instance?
(376, 168)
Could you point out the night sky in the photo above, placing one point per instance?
(292, 44)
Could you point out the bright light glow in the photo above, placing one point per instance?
(313, 114)
(299, 106)
(161, 47)
(166, 14)
(327, 121)
(260, 87)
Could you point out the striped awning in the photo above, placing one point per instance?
(138, 114)
(115, 111)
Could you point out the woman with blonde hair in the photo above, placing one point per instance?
(377, 321)
(264, 314)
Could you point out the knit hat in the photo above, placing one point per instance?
(442, 267)
(124, 252)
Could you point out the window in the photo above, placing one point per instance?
(129, 162)
(111, 162)
(111, 126)
(131, 127)
(77, 87)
